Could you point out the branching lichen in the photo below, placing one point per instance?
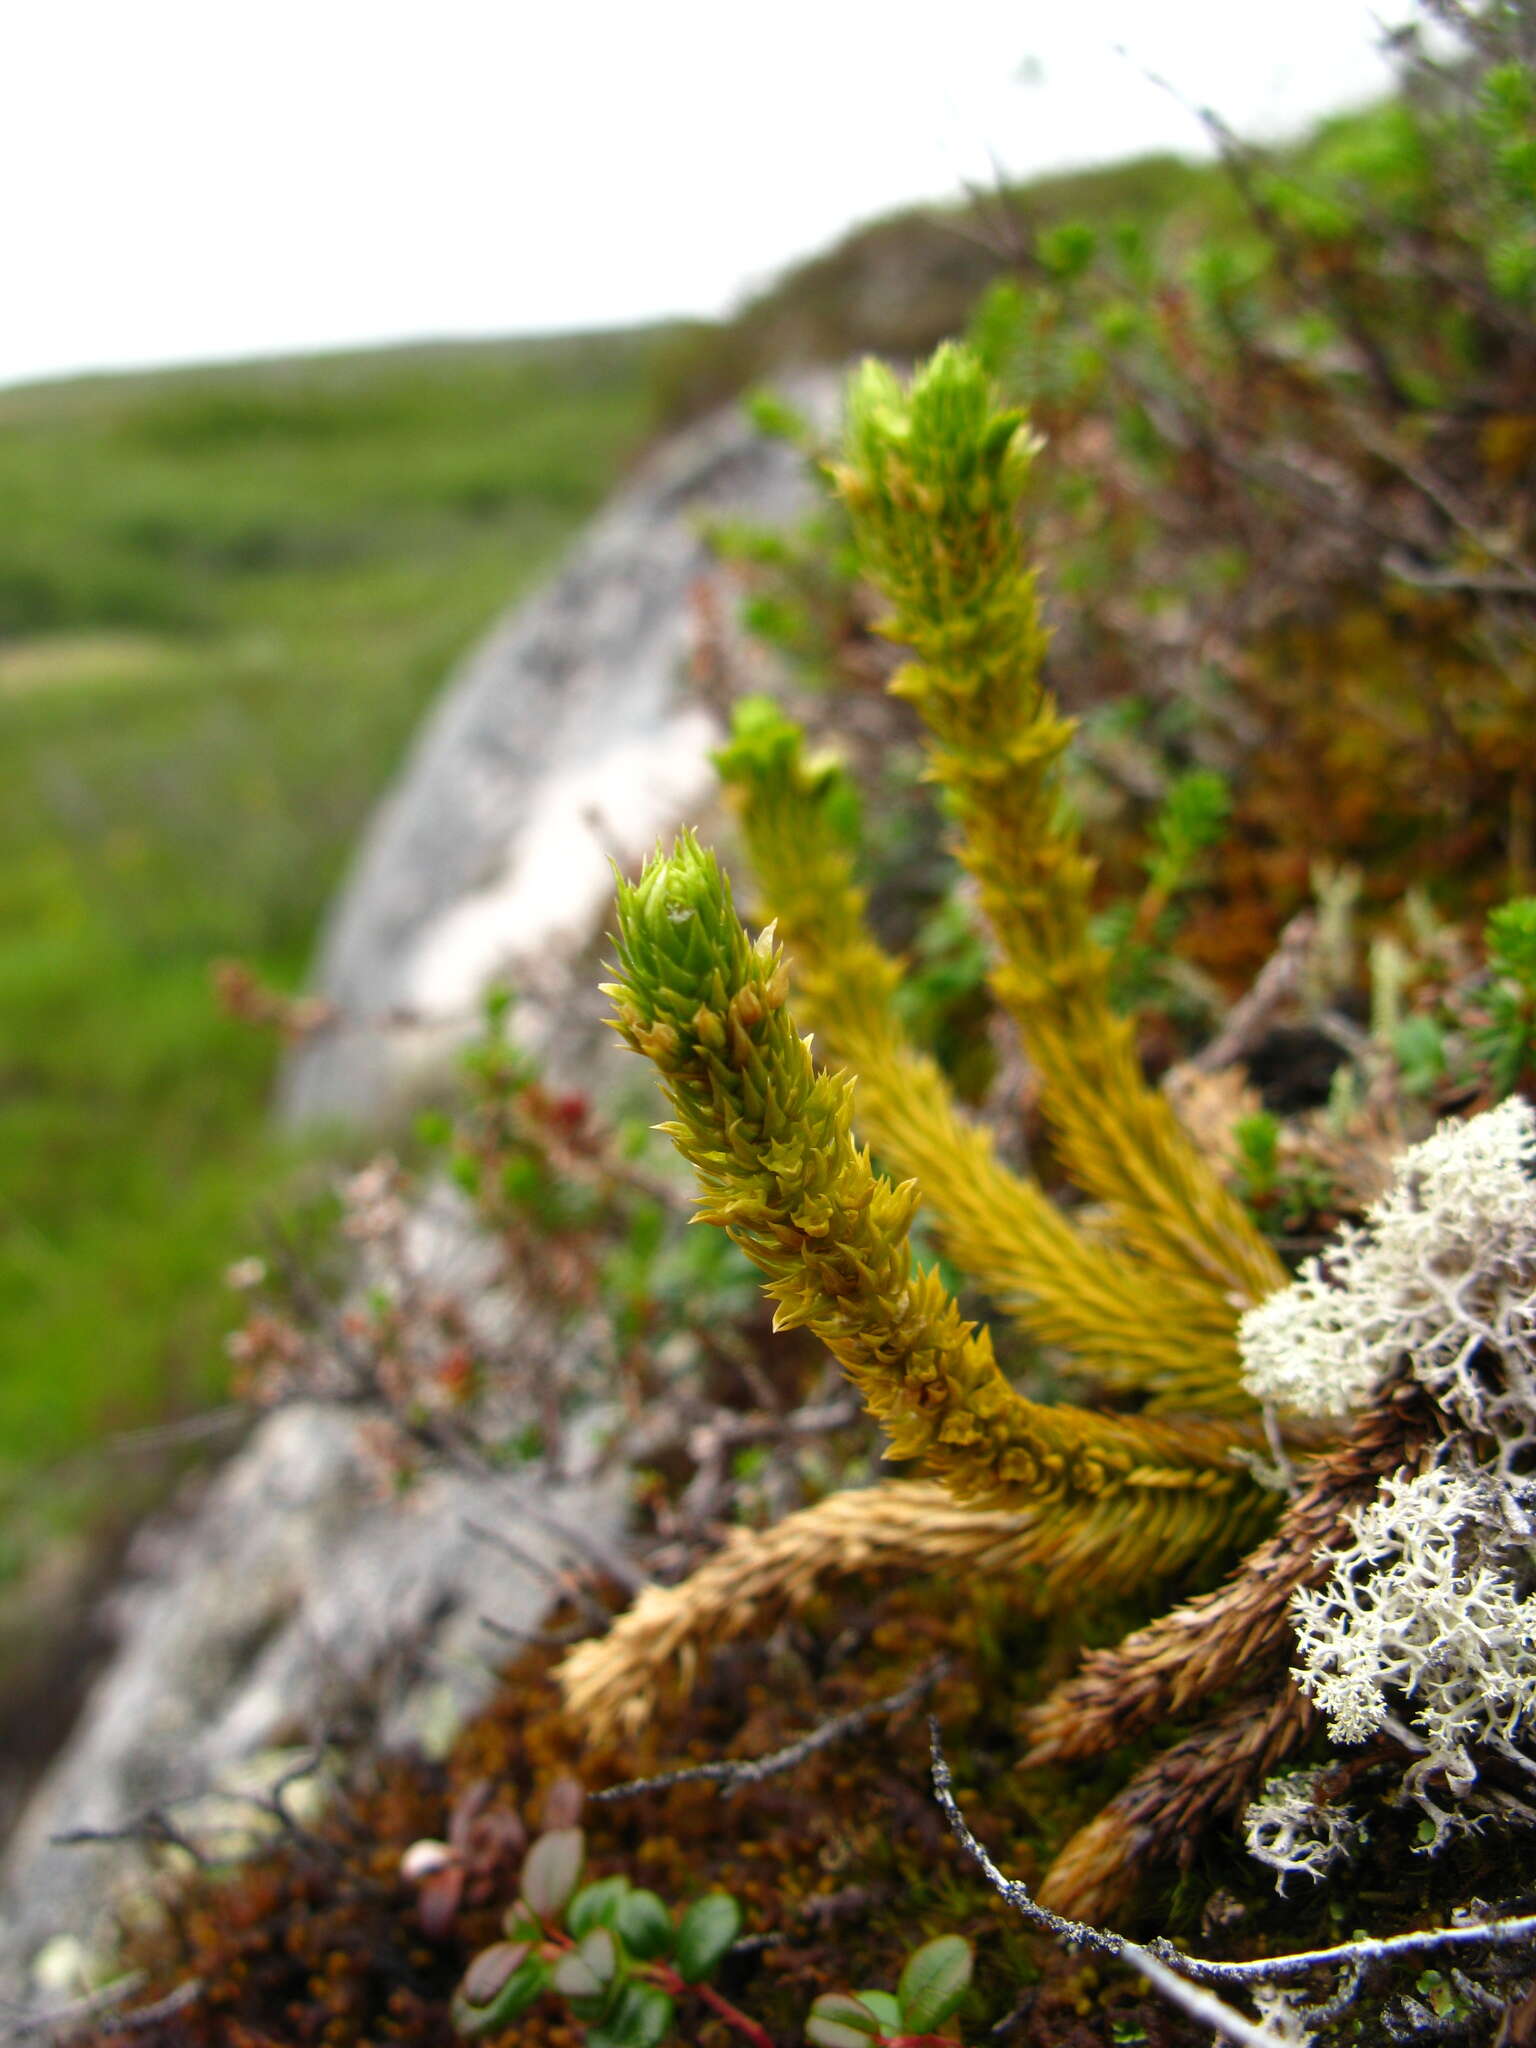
(1430, 1609)
(1298, 1832)
(1429, 1612)
(1441, 1276)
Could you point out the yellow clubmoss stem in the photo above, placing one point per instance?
(770, 1140)
(933, 481)
(1065, 1289)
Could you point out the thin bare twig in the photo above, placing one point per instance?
(1482, 583)
(274, 1800)
(153, 1830)
(1009, 1889)
(1199, 2004)
(585, 1544)
(163, 2008)
(1251, 1015)
(1450, 504)
(1179, 1976)
(710, 1443)
(820, 1419)
(133, 1443)
(1324, 2010)
(187, 1429)
(1380, 1949)
(1189, 1998)
(731, 1775)
(527, 1638)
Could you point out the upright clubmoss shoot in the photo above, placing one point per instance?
(770, 1139)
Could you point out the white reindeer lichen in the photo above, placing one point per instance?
(1426, 1625)
(1442, 1273)
(1297, 1832)
(1430, 1610)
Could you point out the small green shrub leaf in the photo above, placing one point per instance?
(595, 1905)
(574, 1976)
(600, 1952)
(641, 2018)
(935, 1980)
(887, 2010)
(709, 1927)
(644, 1925)
(490, 1970)
(499, 1985)
(838, 2020)
(550, 1871)
(562, 1804)
(518, 1924)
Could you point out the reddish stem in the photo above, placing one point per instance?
(731, 2014)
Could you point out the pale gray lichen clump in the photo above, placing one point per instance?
(1427, 1623)
(1445, 1263)
(1429, 1613)
(1297, 1832)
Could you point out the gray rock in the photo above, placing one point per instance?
(563, 742)
(297, 1600)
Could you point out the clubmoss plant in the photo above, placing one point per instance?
(1081, 1293)
(1146, 1304)
(934, 482)
(1384, 1340)
(771, 1140)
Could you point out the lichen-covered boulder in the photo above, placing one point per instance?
(565, 742)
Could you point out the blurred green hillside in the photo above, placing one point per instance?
(225, 599)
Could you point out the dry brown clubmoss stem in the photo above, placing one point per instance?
(1237, 1636)
(1167, 1807)
(1240, 1630)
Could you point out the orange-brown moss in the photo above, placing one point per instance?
(846, 1859)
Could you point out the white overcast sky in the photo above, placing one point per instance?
(190, 179)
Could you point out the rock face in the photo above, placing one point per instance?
(564, 742)
(297, 1602)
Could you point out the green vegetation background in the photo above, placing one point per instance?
(225, 599)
